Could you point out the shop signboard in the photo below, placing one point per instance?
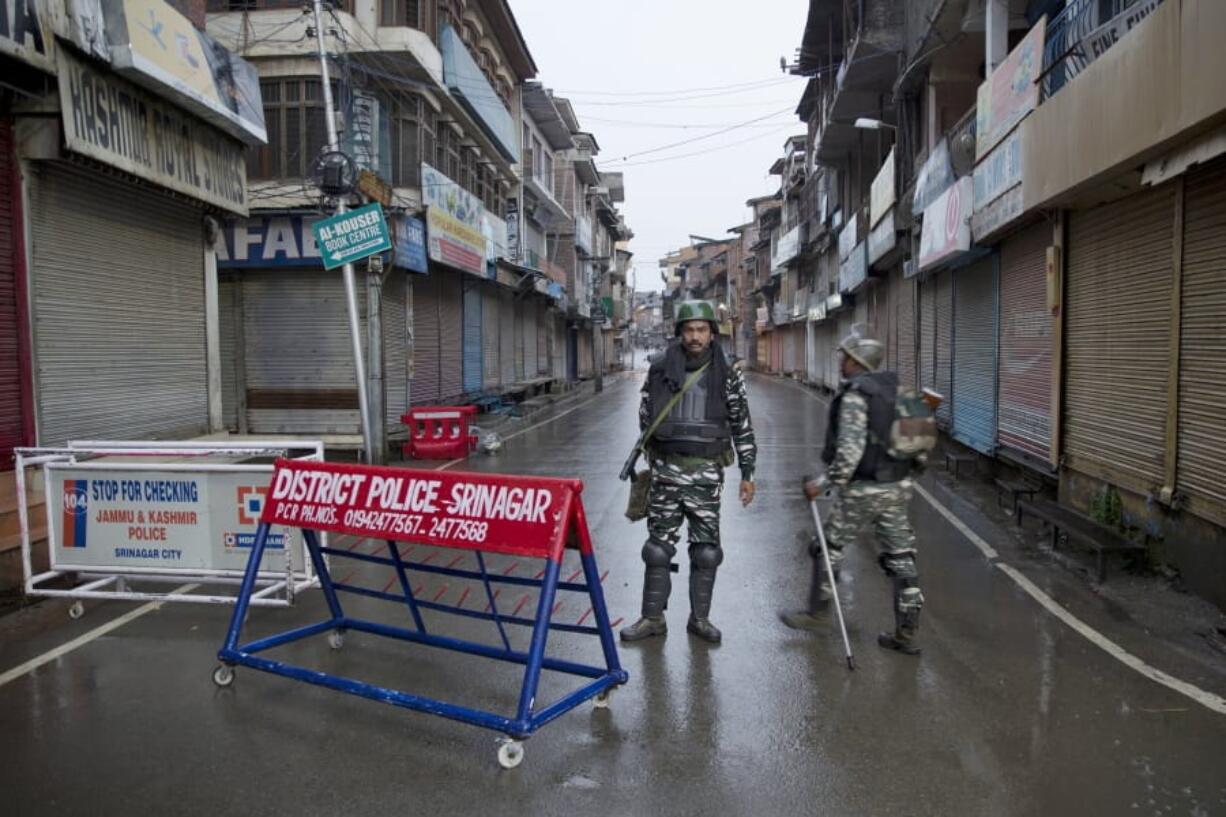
(155, 46)
(934, 177)
(946, 232)
(410, 241)
(112, 121)
(25, 34)
(787, 247)
(998, 187)
(455, 223)
(881, 196)
(168, 521)
(352, 236)
(847, 239)
(268, 241)
(883, 238)
(854, 271)
(513, 240)
(1011, 92)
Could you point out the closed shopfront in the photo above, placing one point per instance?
(229, 314)
(299, 375)
(1024, 422)
(944, 346)
(118, 309)
(517, 309)
(474, 350)
(543, 329)
(506, 331)
(777, 350)
(789, 349)
(764, 352)
(427, 364)
(975, 307)
(528, 311)
(903, 328)
(1202, 360)
(1117, 338)
(14, 420)
(491, 335)
(878, 298)
(451, 314)
(926, 333)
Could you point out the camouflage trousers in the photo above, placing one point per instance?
(881, 507)
(669, 504)
(677, 495)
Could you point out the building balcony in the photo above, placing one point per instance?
(1168, 69)
(1083, 32)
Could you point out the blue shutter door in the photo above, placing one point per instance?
(472, 335)
(975, 355)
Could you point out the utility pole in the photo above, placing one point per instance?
(351, 297)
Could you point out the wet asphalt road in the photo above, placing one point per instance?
(1008, 712)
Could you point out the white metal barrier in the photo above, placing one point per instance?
(160, 512)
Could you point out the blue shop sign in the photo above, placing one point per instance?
(264, 242)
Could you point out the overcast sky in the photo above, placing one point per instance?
(641, 64)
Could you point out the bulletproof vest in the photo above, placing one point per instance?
(689, 429)
(880, 390)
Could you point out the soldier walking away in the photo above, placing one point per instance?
(874, 490)
(688, 453)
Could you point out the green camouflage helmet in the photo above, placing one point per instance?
(695, 311)
(868, 352)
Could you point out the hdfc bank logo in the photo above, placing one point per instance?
(251, 503)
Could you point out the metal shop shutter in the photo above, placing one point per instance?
(473, 351)
(229, 290)
(944, 347)
(490, 335)
(517, 309)
(298, 354)
(777, 349)
(1202, 357)
(396, 347)
(878, 298)
(1117, 337)
(975, 306)
(1025, 344)
(450, 334)
(528, 311)
(118, 286)
(506, 331)
(927, 333)
(904, 329)
(426, 359)
(789, 349)
(764, 352)
(12, 408)
(542, 339)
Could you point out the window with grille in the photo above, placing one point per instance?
(401, 14)
(297, 129)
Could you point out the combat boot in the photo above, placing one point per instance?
(903, 638)
(702, 586)
(820, 594)
(656, 586)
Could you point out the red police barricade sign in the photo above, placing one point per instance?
(524, 517)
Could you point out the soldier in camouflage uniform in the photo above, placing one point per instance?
(874, 490)
(688, 453)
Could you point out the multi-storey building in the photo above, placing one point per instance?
(1022, 200)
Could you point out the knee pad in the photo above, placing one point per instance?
(898, 565)
(706, 556)
(656, 555)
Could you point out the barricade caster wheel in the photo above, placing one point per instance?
(76, 610)
(602, 700)
(336, 639)
(223, 676)
(510, 753)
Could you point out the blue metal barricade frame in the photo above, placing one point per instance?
(567, 529)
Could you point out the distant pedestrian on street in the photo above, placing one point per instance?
(873, 489)
(688, 453)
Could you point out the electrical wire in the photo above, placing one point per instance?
(719, 132)
(765, 80)
(753, 138)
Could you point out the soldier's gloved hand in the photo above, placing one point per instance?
(814, 487)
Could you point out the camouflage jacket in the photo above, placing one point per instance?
(852, 439)
(695, 470)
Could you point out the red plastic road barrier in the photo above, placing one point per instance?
(439, 432)
(517, 515)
